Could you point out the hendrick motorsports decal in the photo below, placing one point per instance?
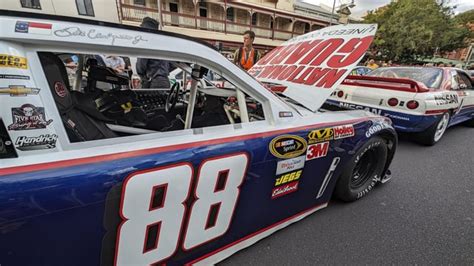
(19, 90)
(287, 146)
(288, 165)
(317, 150)
(286, 184)
(45, 141)
(28, 116)
(13, 61)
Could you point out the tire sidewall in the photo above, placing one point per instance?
(344, 191)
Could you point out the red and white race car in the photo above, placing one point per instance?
(421, 100)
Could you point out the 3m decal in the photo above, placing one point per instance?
(153, 208)
(45, 141)
(320, 135)
(19, 90)
(28, 116)
(329, 174)
(285, 189)
(287, 146)
(344, 131)
(288, 165)
(317, 150)
(13, 61)
(33, 27)
(7, 76)
(289, 177)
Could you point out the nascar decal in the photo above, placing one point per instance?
(312, 65)
(288, 165)
(45, 141)
(329, 174)
(28, 116)
(286, 184)
(287, 146)
(33, 27)
(19, 90)
(13, 61)
(344, 131)
(317, 150)
(155, 218)
(320, 135)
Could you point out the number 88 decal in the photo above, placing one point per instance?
(153, 208)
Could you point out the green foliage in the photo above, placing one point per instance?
(414, 29)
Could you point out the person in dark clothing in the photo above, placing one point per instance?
(153, 72)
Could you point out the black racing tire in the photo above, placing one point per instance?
(363, 171)
(435, 132)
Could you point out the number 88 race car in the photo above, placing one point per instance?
(93, 172)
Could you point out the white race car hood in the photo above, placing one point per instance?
(311, 66)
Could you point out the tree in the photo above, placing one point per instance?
(410, 29)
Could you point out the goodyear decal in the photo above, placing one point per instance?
(13, 61)
(287, 146)
(320, 135)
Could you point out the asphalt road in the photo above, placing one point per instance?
(424, 215)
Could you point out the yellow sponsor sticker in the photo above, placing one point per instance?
(288, 146)
(320, 135)
(13, 61)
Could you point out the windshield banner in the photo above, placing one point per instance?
(311, 66)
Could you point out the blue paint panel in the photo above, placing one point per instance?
(69, 216)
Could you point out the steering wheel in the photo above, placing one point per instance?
(172, 97)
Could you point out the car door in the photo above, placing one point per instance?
(462, 85)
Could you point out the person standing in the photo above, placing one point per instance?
(371, 64)
(153, 72)
(246, 56)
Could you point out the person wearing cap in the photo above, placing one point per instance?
(153, 72)
(246, 56)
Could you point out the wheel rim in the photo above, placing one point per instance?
(441, 127)
(364, 169)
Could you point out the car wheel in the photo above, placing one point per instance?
(434, 133)
(364, 170)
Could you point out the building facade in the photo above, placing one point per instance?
(104, 10)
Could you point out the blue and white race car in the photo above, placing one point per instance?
(93, 172)
(421, 100)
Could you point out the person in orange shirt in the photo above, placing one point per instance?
(371, 64)
(246, 56)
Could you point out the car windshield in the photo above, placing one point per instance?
(431, 77)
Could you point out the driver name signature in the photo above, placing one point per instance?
(94, 35)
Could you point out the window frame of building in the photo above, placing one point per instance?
(230, 14)
(88, 11)
(254, 19)
(139, 2)
(33, 4)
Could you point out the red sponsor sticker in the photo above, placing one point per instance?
(344, 131)
(285, 189)
(317, 150)
(60, 89)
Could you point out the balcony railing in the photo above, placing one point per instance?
(137, 13)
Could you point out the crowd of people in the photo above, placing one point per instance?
(373, 64)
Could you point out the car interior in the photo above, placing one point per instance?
(96, 102)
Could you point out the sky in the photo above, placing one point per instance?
(361, 6)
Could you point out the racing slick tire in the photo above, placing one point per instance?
(363, 171)
(435, 132)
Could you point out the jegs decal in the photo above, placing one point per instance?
(27, 117)
(13, 61)
(19, 90)
(287, 146)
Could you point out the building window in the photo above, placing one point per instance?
(31, 4)
(254, 19)
(84, 7)
(139, 2)
(230, 14)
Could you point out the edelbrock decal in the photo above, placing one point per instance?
(44, 141)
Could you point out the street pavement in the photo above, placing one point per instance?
(424, 215)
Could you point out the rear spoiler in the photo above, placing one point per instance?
(397, 84)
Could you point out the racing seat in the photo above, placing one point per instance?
(82, 121)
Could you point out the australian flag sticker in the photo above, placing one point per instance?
(21, 26)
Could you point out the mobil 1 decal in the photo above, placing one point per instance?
(28, 116)
(314, 64)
